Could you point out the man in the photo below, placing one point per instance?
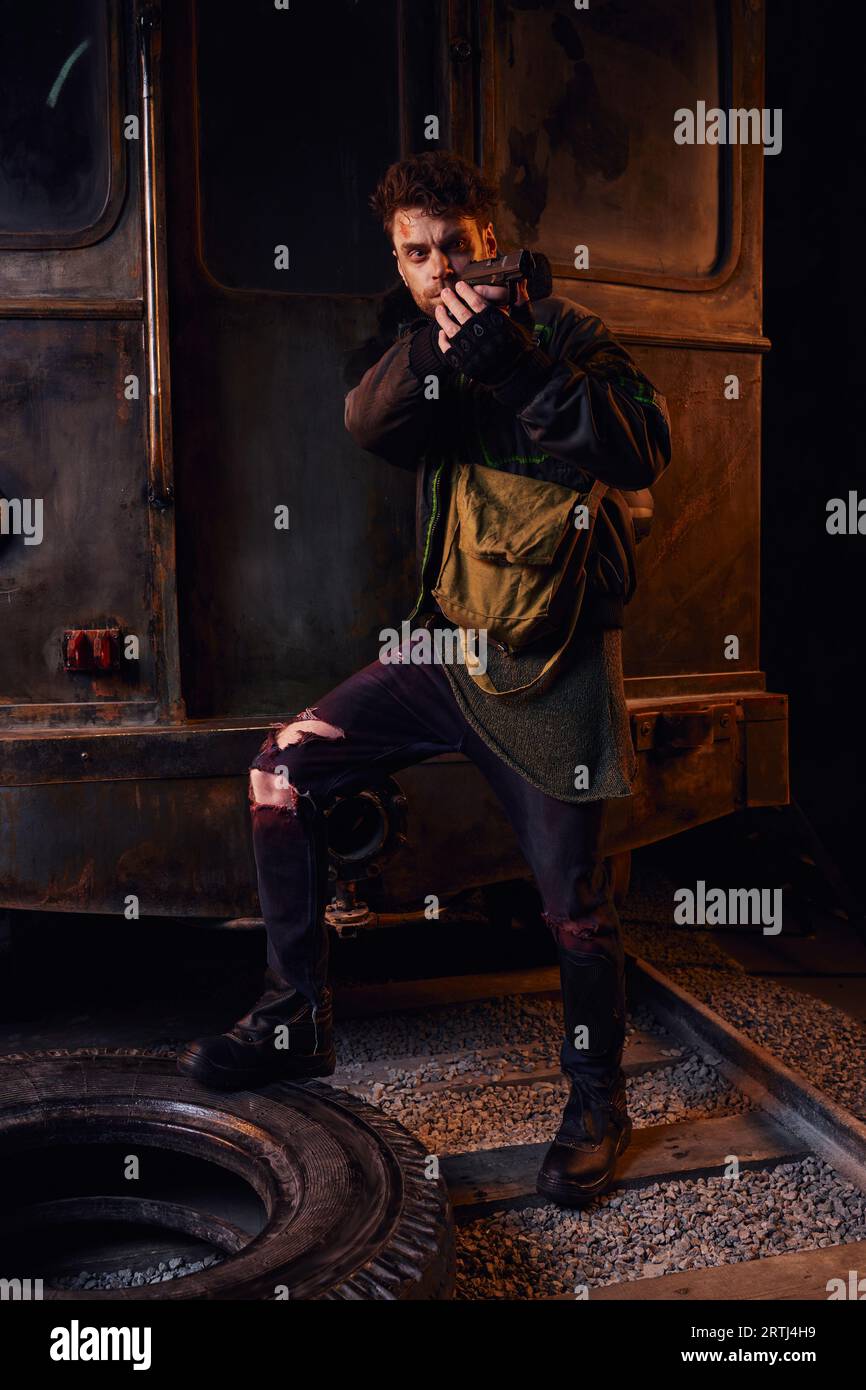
(537, 389)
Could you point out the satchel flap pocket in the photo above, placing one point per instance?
(508, 519)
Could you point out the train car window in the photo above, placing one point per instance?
(584, 128)
(55, 98)
(299, 116)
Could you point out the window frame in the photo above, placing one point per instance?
(730, 28)
(41, 239)
(406, 51)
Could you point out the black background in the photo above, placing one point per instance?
(814, 390)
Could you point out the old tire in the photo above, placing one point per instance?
(350, 1212)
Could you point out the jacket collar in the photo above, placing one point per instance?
(409, 325)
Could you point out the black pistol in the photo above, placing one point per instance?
(509, 270)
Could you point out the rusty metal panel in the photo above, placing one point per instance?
(673, 793)
(767, 762)
(765, 706)
(180, 847)
(70, 438)
(698, 571)
(183, 847)
(180, 841)
(271, 618)
(30, 758)
(436, 852)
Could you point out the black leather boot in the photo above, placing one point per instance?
(282, 1038)
(595, 1128)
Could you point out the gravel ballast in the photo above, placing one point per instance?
(539, 1252)
(128, 1278)
(510, 1034)
(823, 1043)
(514, 1020)
(488, 1116)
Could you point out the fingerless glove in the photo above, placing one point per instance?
(491, 349)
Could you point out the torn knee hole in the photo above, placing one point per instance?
(272, 789)
(566, 930)
(306, 726)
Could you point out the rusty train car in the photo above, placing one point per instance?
(169, 384)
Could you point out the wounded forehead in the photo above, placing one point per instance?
(413, 226)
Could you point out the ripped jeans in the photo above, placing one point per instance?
(383, 718)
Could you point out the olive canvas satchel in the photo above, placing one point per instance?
(514, 559)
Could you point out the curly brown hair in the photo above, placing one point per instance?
(437, 181)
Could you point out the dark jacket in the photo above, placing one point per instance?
(585, 411)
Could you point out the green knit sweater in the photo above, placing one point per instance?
(572, 741)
